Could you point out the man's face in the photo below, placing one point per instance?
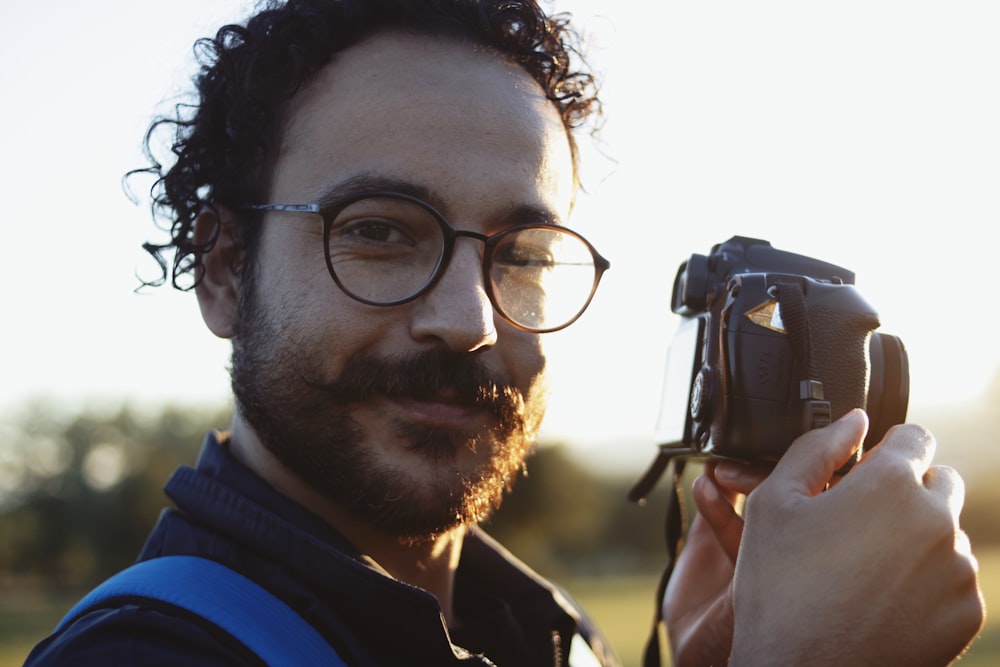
(414, 417)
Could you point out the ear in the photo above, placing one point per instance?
(218, 291)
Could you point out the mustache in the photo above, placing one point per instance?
(463, 378)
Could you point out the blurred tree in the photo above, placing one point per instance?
(563, 517)
(89, 489)
(88, 486)
(79, 492)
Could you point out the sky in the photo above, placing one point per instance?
(863, 133)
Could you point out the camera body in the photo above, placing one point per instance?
(772, 344)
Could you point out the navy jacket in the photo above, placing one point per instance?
(226, 513)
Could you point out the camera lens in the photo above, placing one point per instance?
(888, 388)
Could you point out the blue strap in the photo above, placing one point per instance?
(266, 625)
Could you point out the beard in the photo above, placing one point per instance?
(307, 424)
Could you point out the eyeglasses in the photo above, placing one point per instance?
(388, 248)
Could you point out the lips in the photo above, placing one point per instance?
(445, 408)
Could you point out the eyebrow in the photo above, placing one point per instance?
(524, 214)
(365, 183)
(360, 184)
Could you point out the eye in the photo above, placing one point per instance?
(376, 230)
(526, 255)
(385, 224)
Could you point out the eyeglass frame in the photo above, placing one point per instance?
(328, 213)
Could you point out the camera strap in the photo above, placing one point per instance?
(674, 530)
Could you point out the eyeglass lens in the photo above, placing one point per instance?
(384, 250)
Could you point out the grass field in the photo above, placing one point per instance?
(622, 606)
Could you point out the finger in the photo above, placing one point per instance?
(945, 482)
(909, 442)
(813, 458)
(719, 514)
(737, 477)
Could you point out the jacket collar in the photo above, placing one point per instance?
(232, 502)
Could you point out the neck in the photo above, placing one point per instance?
(427, 563)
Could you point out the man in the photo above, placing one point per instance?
(371, 198)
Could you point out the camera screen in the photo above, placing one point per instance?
(682, 355)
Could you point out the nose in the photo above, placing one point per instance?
(457, 311)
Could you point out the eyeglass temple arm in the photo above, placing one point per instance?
(294, 208)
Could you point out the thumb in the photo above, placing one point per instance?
(809, 464)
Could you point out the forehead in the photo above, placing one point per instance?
(449, 116)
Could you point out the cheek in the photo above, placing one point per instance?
(316, 327)
(294, 286)
(527, 365)
(524, 357)
(328, 330)
(291, 262)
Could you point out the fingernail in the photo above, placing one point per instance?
(851, 415)
(728, 473)
(707, 489)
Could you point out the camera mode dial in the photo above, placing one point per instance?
(701, 395)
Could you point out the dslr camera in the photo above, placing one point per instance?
(772, 344)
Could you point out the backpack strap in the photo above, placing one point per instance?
(267, 626)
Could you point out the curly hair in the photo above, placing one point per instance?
(224, 145)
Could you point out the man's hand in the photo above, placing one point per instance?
(698, 605)
(874, 571)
